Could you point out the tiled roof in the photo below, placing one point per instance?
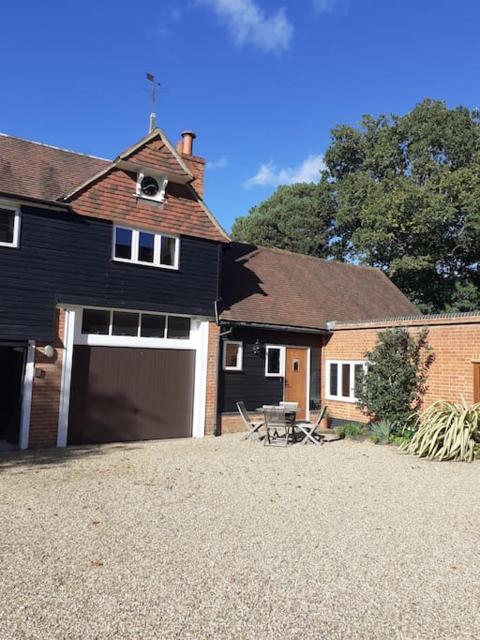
(272, 286)
(36, 170)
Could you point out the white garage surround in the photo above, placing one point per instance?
(197, 342)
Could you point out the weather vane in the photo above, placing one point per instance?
(153, 115)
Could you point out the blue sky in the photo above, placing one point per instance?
(261, 81)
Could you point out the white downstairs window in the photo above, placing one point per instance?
(232, 355)
(341, 379)
(145, 247)
(274, 361)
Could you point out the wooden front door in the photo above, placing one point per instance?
(476, 382)
(296, 363)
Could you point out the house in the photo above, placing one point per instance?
(110, 276)
(127, 314)
(276, 309)
(297, 328)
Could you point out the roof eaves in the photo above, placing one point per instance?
(275, 327)
(55, 204)
(210, 214)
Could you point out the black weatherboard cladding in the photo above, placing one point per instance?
(251, 385)
(66, 258)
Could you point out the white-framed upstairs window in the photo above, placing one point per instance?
(232, 355)
(145, 247)
(151, 186)
(274, 361)
(341, 379)
(9, 226)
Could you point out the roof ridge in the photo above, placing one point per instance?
(51, 146)
(310, 257)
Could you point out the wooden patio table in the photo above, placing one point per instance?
(308, 435)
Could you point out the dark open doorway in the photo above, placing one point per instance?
(12, 366)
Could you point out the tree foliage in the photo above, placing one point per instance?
(298, 217)
(393, 387)
(401, 193)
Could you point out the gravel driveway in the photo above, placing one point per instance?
(222, 538)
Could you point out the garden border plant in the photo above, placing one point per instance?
(392, 388)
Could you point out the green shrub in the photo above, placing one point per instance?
(447, 431)
(393, 386)
(401, 441)
(352, 430)
(381, 431)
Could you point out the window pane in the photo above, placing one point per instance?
(334, 379)
(146, 242)
(125, 324)
(123, 243)
(346, 380)
(358, 373)
(96, 321)
(7, 220)
(153, 326)
(167, 251)
(273, 361)
(178, 327)
(231, 354)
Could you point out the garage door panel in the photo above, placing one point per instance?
(123, 394)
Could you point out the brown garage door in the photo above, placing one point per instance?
(122, 394)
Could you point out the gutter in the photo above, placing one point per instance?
(52, 204)
(276, 327)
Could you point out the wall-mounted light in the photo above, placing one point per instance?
(257, 348)
(48, 351)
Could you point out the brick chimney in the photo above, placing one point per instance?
(196, 164)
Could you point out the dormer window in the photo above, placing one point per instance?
(151, 186)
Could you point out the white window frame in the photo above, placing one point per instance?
(16, 225)
(157, 241)
(239, 366)
(92, 338)
(281, 373)
(162, 183)
(351, 397)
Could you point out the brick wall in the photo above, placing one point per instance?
(455, 343)
(46, 391)
(212, 378)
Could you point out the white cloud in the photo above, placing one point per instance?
(221, 163)
(328, 6)
(269, 175)
(248, 23)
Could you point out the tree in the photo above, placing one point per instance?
(395, 382)
(408, 201)
(401, 193)
(297, 217)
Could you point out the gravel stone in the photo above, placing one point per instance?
(225, 538)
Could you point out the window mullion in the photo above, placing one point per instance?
(156, 249)
(135, 244)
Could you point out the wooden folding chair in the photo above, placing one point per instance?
(309, 429)
(253, 427)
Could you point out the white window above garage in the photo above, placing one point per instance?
(110, 322)
(145, 247)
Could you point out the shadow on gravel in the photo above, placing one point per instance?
(42, 458)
